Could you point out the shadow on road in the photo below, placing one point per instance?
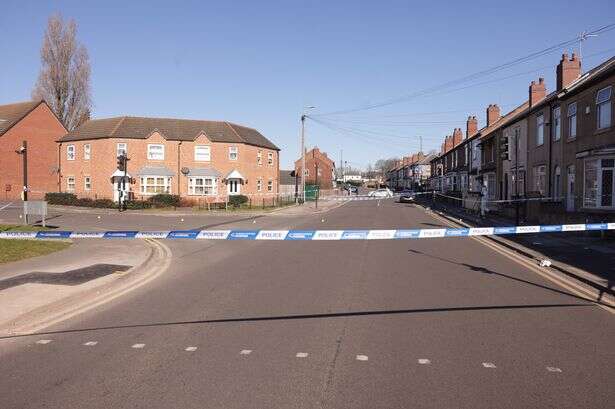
(311, 316)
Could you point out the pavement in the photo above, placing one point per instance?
(429, 323)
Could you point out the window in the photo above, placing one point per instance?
(572, 120)
(270, 158)
(490, 186)
(86, 151)
(599, 183)
(557, 123)
(259, 157)
(540, 179)
(201, 186)
(202, 153)
(121, 149)
(70, 183)
(155, 152)
(151, 185)
(474, 152)
(270, 185)
(70, 152)
(540, 130)
(87, 183)
(259, 185)
(306, 172)
(232, 153)
(557, 180)
(603, 108)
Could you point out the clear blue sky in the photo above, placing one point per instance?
(259, 62)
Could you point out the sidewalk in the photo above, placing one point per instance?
(585, 256)
(35, 291)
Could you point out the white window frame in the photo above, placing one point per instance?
(597, 203)
(87, 183)
(70, 152)
(270, 185)
(259, 157)
(259, 185)
(158, 187)
(121, 147)
(540, 178)
(540, 130)
(200, 189)
(155, 155)
(204, 156)
(233, 153)
(604, 108)
(87, 151)
(70, 184)
(556, 120)
(572, 120)
(270, 158)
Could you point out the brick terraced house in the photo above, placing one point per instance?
(194, 159)
(319, 167)
(35, 123)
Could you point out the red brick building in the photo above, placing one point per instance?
(35, 123)
(208, 160)
(319, 168)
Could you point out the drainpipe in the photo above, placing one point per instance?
(179, 145)
(59, 168)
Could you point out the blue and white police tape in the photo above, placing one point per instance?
(307, 234)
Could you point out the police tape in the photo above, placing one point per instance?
(308, 234)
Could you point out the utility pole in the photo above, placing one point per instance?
(303, 158)
(23, 151)
(317, 187)
(517, 131)
(420, 143)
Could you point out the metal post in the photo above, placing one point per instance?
(317, 187)
(24, 160)
(517, 177)
(303, 157)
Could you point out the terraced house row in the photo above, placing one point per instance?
(552, 156)
(195, 159)
(411, 172)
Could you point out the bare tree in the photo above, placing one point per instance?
(64, 79)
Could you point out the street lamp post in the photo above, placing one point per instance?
(303, 116)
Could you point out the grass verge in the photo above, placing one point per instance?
(13, 250)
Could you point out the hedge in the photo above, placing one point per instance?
(165, 200)
(237, 200)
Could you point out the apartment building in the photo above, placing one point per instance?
(319, 168)
(35, 123)
(194, 159)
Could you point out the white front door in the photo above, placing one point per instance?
(120, 190)
(234, 186)
(570, 189)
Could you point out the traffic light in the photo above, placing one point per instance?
(504, 147)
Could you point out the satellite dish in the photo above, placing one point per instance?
(185, 171)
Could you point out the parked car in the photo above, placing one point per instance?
(386, 192)
(352, 190)
(407, 196)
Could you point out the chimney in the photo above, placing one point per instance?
(471, 126)
(538, 91)
(567, 71)
(448, 143)
(457, 136)
(442, 147)
(493, 114)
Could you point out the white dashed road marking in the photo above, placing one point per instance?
(424, 361)
(553, 369)
(138, 346)
(43, 341)
(190, 349)
(362, 358)
(90, 343)
(489, 365)
(245, 352)
(301, 355)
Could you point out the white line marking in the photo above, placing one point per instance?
(424, 361)
(43, 341)
(362, 358)
(90, 343)
(190, 349)
(301, 355)
(245, 352)
(138, 346)
(489, 365)
(553, 369)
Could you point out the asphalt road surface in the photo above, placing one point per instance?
(432, 323)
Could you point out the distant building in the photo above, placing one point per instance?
(288, 182)
(319, 169)
(35, 123)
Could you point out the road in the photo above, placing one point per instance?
(432, 323)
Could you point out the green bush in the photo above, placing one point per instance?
(55, 198)
(104, 203)
(164, 200)
(137, 205)
(237, 200)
